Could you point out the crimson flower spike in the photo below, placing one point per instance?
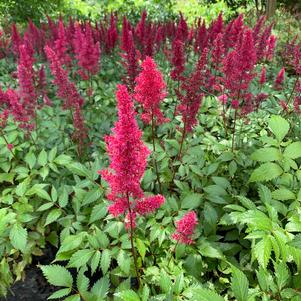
(128, 159)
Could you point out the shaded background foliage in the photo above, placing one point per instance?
(22, 11)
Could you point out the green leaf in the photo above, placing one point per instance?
(165, 282)
(60, 293)
(18, 237)
(42, 158)
(95, 261)
(98, 212)
(53, 216)
(128, 295)
(239, 284)
(71, 242)
(266, 155)
(262, 251)
(38, 190)
(63, 197)
(191, 201)
(30, 159)
(266, 172)
(80, 258)
(124, 262)
(279, 127)
(63, 160)
(105, 260)
(82, 282)
(101, 287)
(204, 294)
(293, 151)
(141, 247)
(78, 169)
(296, 242)
(57, 275)
(282, 274)
(283, 194)
(75, 297)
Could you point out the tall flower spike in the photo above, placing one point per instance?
(279, 79)
(128, 158)
(177, 60)
(150, 91)
(185, 228)
(127, 152)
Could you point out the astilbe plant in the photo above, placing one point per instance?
(130, 56)
(87, 52)
(150, 91)
(128, 159)
(185, 228)
(67, 91)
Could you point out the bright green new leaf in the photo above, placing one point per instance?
(279, 127)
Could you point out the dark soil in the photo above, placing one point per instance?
(35, 286)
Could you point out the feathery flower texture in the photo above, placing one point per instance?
(150, 91)
(185, 228)
(128, 158)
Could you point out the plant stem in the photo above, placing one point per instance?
(3, 135)
(154, 154)
(234, 128)
(132, 241)
(172, 253)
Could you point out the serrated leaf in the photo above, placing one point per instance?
(105, 260)
(141, 247)
(268, 154)
(82, 282)
(101, 287)
(63, 197)
(283, 194)
(128, 295)
(39, 191)
(98, 212)
(262, 251)
(71, 242)
(18, 237)
(124, 262)
(293, 151)
(204, 294)
(60, 293)
(279, 127)
(191, 201)
(80, 258)
(30, 159)
(239, 284)
(63, 160)
(95, 261)
(78, 169)
(282, 274)
(53, 216)
(266, 172)
(57, 275)
(42, 158)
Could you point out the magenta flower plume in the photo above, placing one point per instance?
(177, 60)
(239, 65)
(66, 89)
(130, 59)
(61, 45)
(16, 39)
(185, 228)
(127, 152)
(279, 79)
(150, 91)
(128, 159)
(86, 51)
